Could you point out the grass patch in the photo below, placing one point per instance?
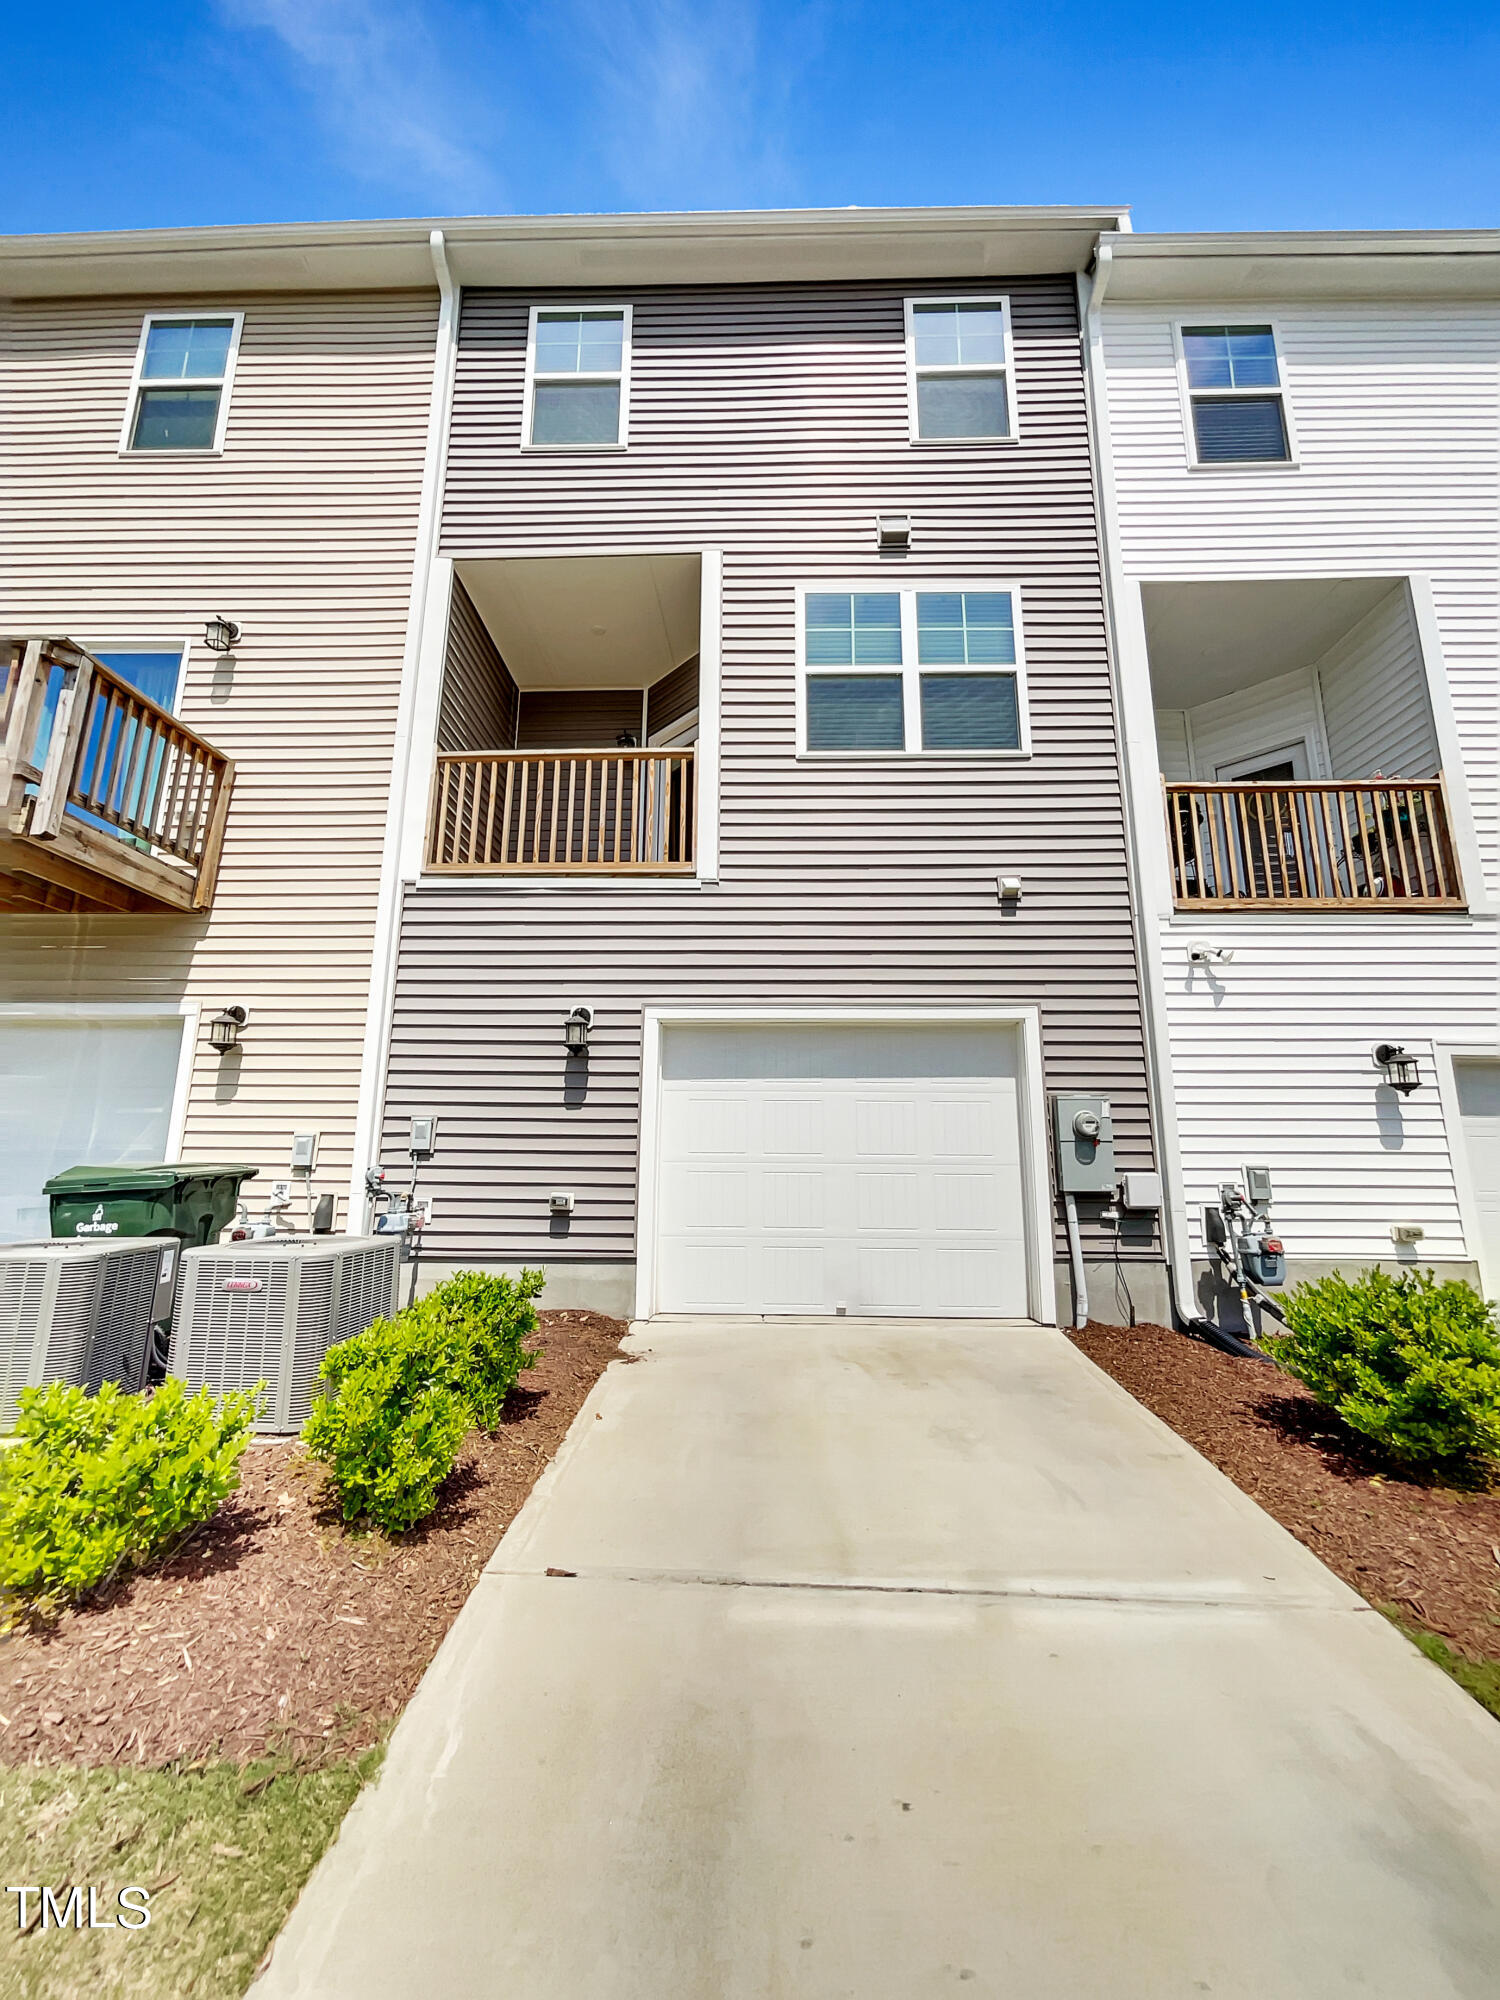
(224, 1850)
(1480, 1678)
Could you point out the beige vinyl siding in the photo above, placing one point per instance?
(771, 422)
(479, 697)
(304, 531)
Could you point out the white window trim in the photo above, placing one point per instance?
(223, 383)
(115, 644)
(1185, 392)
(1030, 1106)
(623, 377)
(910, 669)
(1000, 299)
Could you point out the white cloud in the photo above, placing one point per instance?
(692, 106)
(381, 90)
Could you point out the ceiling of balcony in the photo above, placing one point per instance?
(1207, 639)
(588, 621)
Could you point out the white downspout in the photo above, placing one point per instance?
(388, 907)
(1147, 928)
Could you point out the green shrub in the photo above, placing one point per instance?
(99, 1484)
(402, 1396)
(1407, 1361)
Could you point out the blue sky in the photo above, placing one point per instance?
(1276, 116)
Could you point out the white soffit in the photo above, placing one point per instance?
(1206, 640)
(588, 621)
(1305, 264)
(621, 251)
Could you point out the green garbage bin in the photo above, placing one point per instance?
(184, 1200)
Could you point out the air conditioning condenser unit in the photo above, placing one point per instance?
(269, 1310)
(78, 1311)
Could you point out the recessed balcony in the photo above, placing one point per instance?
(568, 723)
(1298, 749)
(107, 802)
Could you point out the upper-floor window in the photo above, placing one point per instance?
(578, 376)
(917, 670)
(958, 355)
(179, 390)
(1235, 395)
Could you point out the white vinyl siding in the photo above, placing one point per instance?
(1399, 453)
(305, 532)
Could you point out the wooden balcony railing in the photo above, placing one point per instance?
(108, 801)
(602, 812)
(1309, 846)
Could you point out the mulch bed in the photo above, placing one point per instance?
(1432, 1552)
(277, 1631)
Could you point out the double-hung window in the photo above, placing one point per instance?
(578, 377)
(1235, 395)
(959, 370)
(179, 390)
(925, 669)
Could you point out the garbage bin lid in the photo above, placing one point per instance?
(141, 1180)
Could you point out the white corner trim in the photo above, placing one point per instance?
(381, 995)
(1444, 1056)
(1031, 1103)
(710, 710)
(1450, 748)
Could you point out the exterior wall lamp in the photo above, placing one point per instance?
(1401, 1071)
(224, 1029)
(576, 1027)
(220, 633)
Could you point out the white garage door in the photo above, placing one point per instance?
(875, 1168)
(1479, 1108)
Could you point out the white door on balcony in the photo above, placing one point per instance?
(804, 1168)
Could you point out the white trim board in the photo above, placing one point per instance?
(1444, 1057)
(1031, 1103)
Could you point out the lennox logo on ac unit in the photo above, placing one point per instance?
(242, 1285)
(97, 1226)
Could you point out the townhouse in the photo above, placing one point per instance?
(214, 453)
(763, 860)
(1301, 484)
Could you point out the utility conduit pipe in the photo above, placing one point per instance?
(1075, 1258)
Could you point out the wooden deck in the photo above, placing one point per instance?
(107, 801)
(594, 812)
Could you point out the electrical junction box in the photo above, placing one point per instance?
(304, 1152)
(1141, 1192)
(1258, 1186)
(1085, 1144)
(561, 1203)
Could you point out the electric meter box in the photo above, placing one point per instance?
(1085, 1144)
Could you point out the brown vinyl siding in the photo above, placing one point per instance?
(304, 530)
(479, 697)
(771, 422)
(577, 718)
(672, 697)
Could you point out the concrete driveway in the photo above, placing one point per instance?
(890, 1659)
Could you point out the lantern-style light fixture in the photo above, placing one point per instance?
(224, 1029)
(220, 633)
(1401, 1071)
(576, 1027)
